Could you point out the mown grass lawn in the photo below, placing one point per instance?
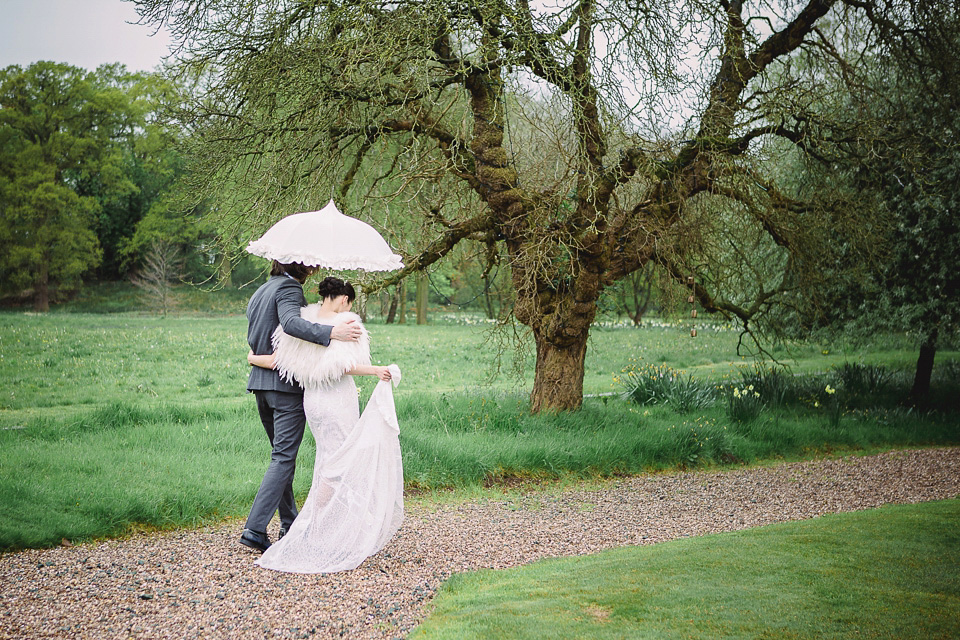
(886, 573)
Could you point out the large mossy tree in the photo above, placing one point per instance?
(587, 138)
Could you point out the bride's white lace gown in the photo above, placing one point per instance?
(355, 504)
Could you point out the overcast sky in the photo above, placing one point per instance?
(83, 33)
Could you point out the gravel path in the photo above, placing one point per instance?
(203, 584)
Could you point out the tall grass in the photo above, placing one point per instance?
(120, 465)
(460, 440)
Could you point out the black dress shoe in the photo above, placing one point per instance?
(282, 532)
(255, 540)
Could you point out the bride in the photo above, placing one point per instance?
(355, 504)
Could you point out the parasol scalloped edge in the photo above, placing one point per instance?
(344, 262)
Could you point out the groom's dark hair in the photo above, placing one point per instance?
(300, 272)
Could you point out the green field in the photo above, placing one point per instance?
(53, 364)
(116, 421)
(884, 573)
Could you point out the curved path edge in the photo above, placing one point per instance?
(203, 584)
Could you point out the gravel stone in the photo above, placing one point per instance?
(203, 584)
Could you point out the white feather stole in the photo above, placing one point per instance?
(313, 365)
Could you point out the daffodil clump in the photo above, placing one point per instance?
(744, 404)
(646, 384)
(772, 383)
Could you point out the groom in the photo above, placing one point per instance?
(280, 404)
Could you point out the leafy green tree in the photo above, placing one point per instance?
(150, 161)
(587, 139)
(58, 128)
(917, 176)
(920, 284)
(45, 231)
(101, 140)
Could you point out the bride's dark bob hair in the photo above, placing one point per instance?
(331, 287)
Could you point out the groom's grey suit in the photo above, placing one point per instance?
(278, 302)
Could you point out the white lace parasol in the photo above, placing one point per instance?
(326, 238)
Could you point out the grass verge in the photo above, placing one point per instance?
(884, 573)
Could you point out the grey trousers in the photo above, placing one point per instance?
(283, 419)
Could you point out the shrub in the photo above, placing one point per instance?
(864, 379)
(775, 386)
(660, 384)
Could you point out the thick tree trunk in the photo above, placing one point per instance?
(560, 322)
(558, 382)
(921, 380)
(41, 297)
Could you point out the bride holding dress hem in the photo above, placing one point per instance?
(355, 503)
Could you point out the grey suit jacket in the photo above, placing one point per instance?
(278, 302)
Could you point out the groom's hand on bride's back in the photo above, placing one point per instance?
(348, 331)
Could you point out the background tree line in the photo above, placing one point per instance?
(88, 181)
(92, 189)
